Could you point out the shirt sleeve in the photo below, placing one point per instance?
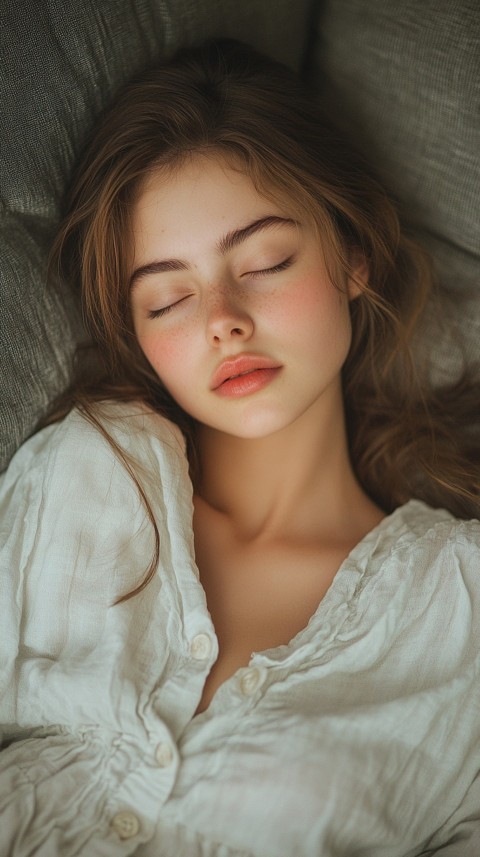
(460, 836)
(73, 538)
(69, 514)
(459, 621)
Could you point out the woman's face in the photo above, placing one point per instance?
(231, 301)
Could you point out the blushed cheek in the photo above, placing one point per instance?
(165, 354)
(285, 312)
(310, 301)
(317, 316)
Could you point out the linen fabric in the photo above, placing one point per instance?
(361, 736)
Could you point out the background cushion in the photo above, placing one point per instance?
(61, 64)
(404, 80)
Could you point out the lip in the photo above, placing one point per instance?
(238, 366)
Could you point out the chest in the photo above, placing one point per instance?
(259, 597)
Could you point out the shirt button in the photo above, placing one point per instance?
(163, 755)
(126, 824)
(200, 647)
(251, 680)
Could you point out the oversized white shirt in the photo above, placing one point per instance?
(358, 738)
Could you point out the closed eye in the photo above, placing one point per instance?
(265, 272)
(157, 313)
(275, 270)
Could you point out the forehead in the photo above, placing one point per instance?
(203, 196)
(192, 170)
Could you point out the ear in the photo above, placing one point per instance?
(359, 275)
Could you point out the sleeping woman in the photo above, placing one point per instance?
(240, 566)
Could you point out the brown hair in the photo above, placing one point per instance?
(405, 438)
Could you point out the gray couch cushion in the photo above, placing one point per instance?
(61, 63)
(404, 80)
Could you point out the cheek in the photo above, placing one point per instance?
(310, 304)
(288, 310)
(165, 352)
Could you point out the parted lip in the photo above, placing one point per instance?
(233, 366)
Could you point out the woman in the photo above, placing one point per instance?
(242, 603)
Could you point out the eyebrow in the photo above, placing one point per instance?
(224, 245)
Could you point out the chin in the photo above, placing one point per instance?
(253, 426)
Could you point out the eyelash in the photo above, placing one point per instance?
(275, 270)
(158, 313)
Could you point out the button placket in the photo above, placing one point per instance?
(125, 824)
(251, 679)
(201, 647)
(163, 755)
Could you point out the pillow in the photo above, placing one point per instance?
(404, 80)
(61, 64)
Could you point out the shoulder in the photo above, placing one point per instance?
(72, 474)
(79, 444)
(431, 549)
(70, 509)
(417, 529)
(417, 590)
(133, 425)
(432, 534)
(429, 565)
(424, 566)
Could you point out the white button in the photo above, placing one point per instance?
(251, 680)
(164, 755)
(200, 647)
(126, 824)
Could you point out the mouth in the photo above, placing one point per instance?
(241, 374)
(240, 367)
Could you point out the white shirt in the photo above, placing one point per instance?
(360, 738)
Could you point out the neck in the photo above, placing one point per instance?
(297, 483)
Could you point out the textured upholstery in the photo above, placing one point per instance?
(404, 79)
(61, 63)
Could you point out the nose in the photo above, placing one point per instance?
(227, 321)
